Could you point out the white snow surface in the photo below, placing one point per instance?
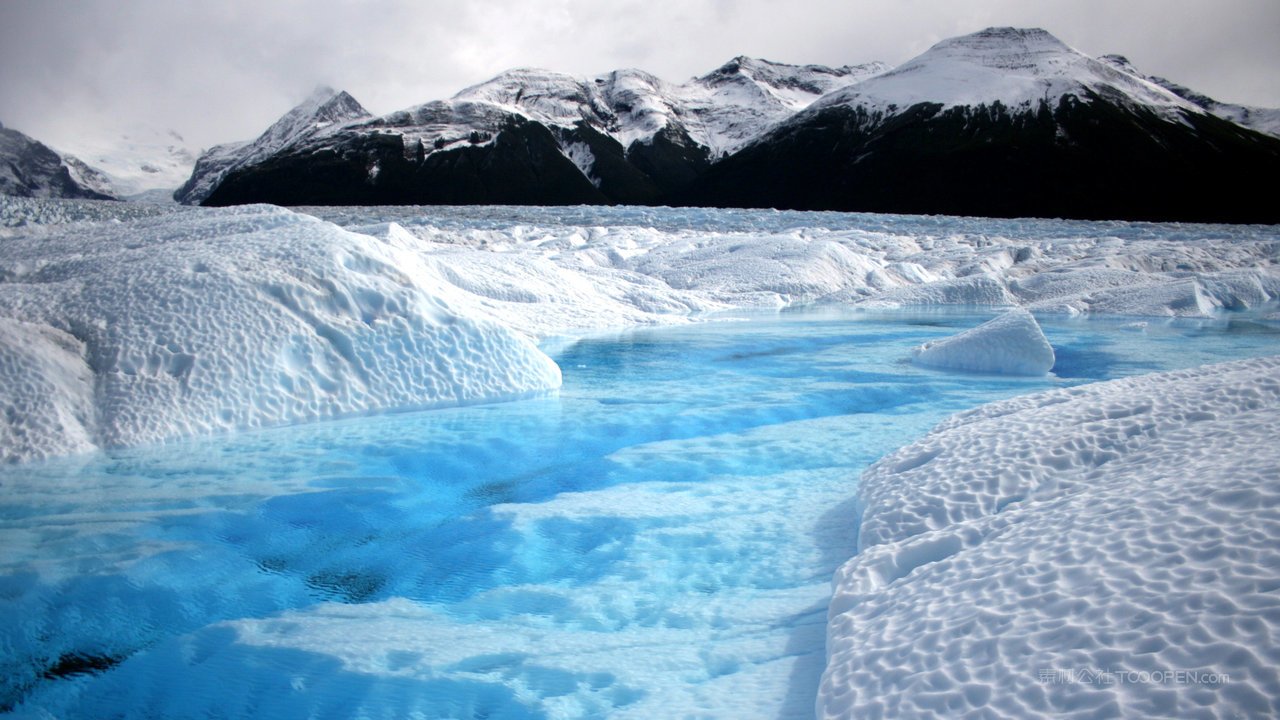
(546, 276)
(1016, 67)
(1010, 344)
(195, 320)
(119, 334)
(1100, 551)
(47, 392)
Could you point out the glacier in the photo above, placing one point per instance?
(194, 321)
(663, 543)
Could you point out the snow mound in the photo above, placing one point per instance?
(254, 316)
(1096, 551)
(1011, 344)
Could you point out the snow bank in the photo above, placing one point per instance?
(1011, 344)
(254, 316)
(677, 261)
(1096, 551)
(543, 293)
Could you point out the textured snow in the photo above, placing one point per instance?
(1123, 530)
(1102, 550)
(1011, 344)
(546, 273)
(193, 323)
(1018, 68)
(47, 393)
(417, 306)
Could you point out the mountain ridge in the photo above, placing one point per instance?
(977, 112)
(631, 136)
(1004, 122)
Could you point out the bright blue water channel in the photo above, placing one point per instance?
(657, 540)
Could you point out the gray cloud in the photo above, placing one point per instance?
(223, 70)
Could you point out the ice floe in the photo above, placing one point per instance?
(1012, 343)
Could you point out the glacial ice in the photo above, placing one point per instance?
(418, 306)
(1012, 343)
(189, 323)
(1107, 549)
(1116, 529)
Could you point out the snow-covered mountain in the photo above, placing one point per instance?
(322, 112)
(1018, 68)
(1005, 122)
(625, 136)
(745, 96)
(720, 111)
(29, 168)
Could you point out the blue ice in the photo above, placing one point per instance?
(655, 541)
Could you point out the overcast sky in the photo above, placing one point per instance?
(219, 70)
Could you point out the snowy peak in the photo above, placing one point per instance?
(1018, 68)
(797, 85)
(1121, 63)
(741, 99)
(719, 110)
(628, 105)
(1263, 120)
(641, 104)
(999, 122)
(324, 111)
(1006, 48)
(546, 96)
(668, 132)
(323, 108)
(1003, 122)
